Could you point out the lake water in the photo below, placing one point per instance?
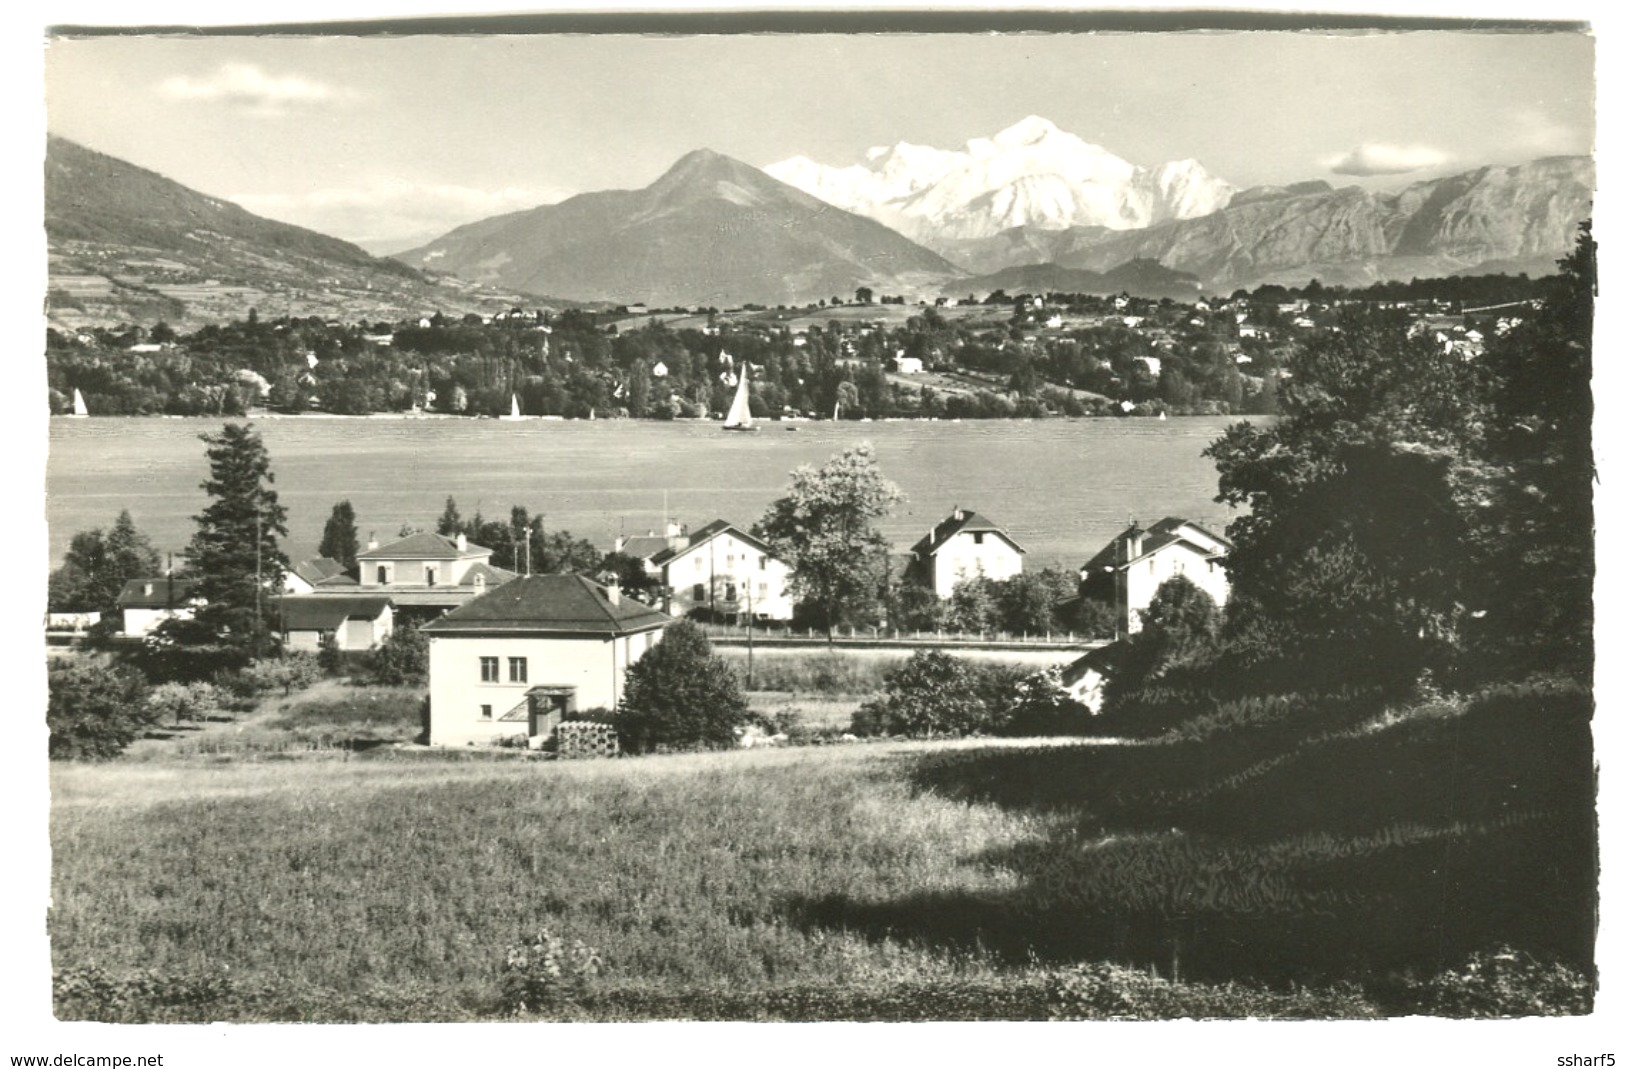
(1061, 488)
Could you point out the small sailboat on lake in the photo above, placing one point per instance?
(513, 412)
(79, 408)
(739, 418)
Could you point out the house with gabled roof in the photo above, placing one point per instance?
(1130, 568)
(308, 575)
(966, 545)
(425, 574)
(518, 658)
(146, 603)
(726, 571)
(348, 621)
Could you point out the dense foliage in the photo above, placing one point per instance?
(679, 696)
(97, 566)
(95, 710)
(1415, 509)
(402, 658)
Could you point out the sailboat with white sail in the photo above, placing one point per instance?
(79, 408)
(739, 418)
(513, 412)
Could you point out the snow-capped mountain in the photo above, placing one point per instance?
(1031, 174)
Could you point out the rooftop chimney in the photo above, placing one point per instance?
(959, 514)
(146, 589)
(612, 590)
(462, 542)
(372, 540)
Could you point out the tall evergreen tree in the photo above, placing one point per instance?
(235, 551)
(339, 539)
(451, 521)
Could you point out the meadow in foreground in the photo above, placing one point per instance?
(1443, 861)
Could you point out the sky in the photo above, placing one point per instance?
(391, 141)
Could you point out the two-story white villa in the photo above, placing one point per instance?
(516, 659)
(425, 574)
(963, 546)
(719, 568)
(1135, 563)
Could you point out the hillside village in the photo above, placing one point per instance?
(1031, 355)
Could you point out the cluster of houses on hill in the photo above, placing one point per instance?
(512, 654)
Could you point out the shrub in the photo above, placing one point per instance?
(934, 693)
(94, 710)
(680, 696)
(1040, 705)
(402, 659)
(289, 672)
(182, 701)
(544, 971)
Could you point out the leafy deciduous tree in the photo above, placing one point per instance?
(824, 527)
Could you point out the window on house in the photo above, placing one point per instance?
(698, 563)
(485, 712)
(976, 536)
(761, 564)
(489, 670)
(517, 670)
(429, 574)
(383, 573)
(730, 593)
(699, 591)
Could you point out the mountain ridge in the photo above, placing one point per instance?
(127, 244)
(710, 230)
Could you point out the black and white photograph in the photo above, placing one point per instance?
(812, 517)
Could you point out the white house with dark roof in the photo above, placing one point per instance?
(963, 546)
(516, 659)
(725, 570)
(1136, 562)
(350, 621)
(427, 573)
(146, 603)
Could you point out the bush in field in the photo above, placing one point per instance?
(545, 971)
(680, 696)
(290, 672)
(1177, 629)
(402, 659)
(930, 694)
(182, 701)
(95, 710)
(1040, 705)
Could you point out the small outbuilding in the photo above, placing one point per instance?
(349, 621)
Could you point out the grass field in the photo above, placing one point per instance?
(1301, 875)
